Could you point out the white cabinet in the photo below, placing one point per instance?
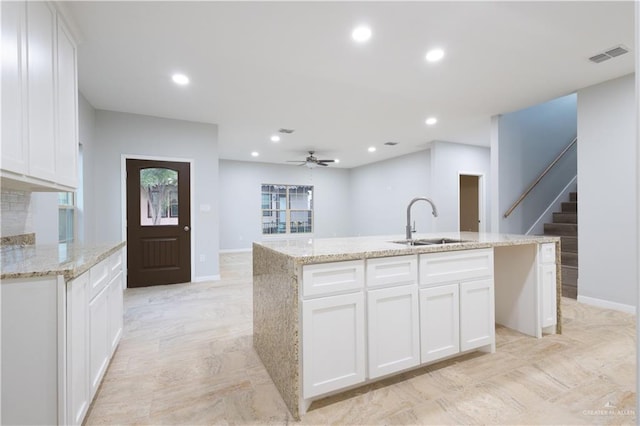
(547, 284)
(393, 329)
(387, 271)
(41, 32)
(439, 322)
(457, 306)
(67, 109)
(98, 338)
(57, 340)
(78, 387)
(116, 314)
(333, 343)
(39, 99)
(14, 149)
(331, 278)
(105, 310)
(477, 313)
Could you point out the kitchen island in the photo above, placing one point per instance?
(333, 314)
(62, 319)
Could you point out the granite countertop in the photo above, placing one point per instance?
(40, 260)
(320, 250)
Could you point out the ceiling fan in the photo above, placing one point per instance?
(312, 161)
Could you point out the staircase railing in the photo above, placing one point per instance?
(537, 181)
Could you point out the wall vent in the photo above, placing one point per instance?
(391, 143)
(609, 53)
(287, 131)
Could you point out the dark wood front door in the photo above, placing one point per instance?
(158, 223)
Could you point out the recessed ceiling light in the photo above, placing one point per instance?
(431, 121)
(372, 149)
(255, 153)
(434, 55)
(275, 138)
(180, 79)
(361, 34)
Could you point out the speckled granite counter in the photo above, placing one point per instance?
(277, 277)
(321, 250)
(69, 260)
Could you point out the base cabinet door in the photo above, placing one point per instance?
(98, 338)
(477, 323)
(394, 336)
(333, 344)
(547, 282)
(115, 311)
(78, 385)
(439, 322)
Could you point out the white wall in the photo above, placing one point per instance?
(448, 161)
(528, 140)
(240, 200)
(86, 203)
(380, 193)
(118, 133)
(607, 176)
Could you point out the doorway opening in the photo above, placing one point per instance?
(470, 202)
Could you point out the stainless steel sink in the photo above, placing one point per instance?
(429, 241)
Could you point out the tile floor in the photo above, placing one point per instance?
(186, 357)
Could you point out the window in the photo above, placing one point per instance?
(66, 217)
(287, 209)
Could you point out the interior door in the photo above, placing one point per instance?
(158, 222)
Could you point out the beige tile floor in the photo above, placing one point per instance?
(186, 357)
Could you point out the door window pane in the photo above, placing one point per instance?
(158, 197)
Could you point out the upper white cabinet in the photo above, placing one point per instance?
(39, 99)
(14, 150)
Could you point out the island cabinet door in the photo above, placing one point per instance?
(99, 348)
(333, 343)
(78, 386)
(477, 323)
(394, 336)
(439, 322)
(547, 283)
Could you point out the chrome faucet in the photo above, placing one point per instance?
(411, 203)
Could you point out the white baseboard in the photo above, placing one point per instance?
(206, 278)
(243, 250)
(630, 309)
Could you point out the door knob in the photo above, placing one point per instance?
(186, 228)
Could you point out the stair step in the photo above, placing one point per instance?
(569, 244)
(564, 217)
(570, 292)
(570, 282)
(570, 229)
(573, 196)
(569, 276)
(569, 259)
(569, 206)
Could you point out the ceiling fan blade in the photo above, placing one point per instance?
(326, 161)
(321, 164)
(296, 161)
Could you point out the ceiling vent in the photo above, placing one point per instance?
(287, 131)
(608, 54)
(391, 143)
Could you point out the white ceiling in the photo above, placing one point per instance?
(256, 67)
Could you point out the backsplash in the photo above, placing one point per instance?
(15, 213)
